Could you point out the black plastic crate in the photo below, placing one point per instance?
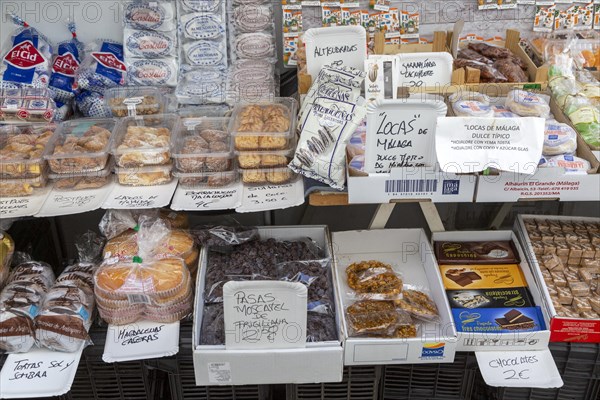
(579, 367)
(358, 383)
(447, 381)
(182, 380)
(97, 380)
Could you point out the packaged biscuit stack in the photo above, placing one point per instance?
(20, 303)
(153, 285)
(150, 43)
(568, 253)
(486, 288)
(253, 51)
(203, 51)
(66, 313)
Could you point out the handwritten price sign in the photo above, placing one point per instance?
(38, 373)
(400, 133)
(519, 369)
(264, 314)
(140, 340)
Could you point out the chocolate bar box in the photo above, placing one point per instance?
(498, 320)
(496, 252)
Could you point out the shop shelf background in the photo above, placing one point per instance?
(447, 381)
(579, 367)
(358, 383)
(182, 381)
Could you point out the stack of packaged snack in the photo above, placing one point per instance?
(66, 313)
(141, 148)
(20, 302)
(486, 276)
(264, 140)
(239, 254)
(135, 100)
(568, 253)
(203, 52)
(78, 153)
(155, 284)
(22, 165)
(7, 248)
(150, 43)
(253, 51)
(385, 306)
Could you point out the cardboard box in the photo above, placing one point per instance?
(409, 252)
(411, 184)
(502, 341)
(317, 362)
(562, 329)
(545, 183)
(538, 76)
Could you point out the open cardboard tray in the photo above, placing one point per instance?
(538, 76)
(562, 329)
(468, 341)
(545, 183)
(408, 251)
(317, 362)
(439, 44)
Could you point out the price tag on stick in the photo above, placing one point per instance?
(535, 369)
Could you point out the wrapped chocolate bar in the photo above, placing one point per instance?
(497, 252)
(66, 313)
(26, 58)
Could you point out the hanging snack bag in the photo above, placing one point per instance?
(103, 66)
(26, 59)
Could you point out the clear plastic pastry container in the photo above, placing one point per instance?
(144, 176)
(80, 145)
(202, 145)
(264, 125)
(21, 187)
(267, 176)
(83, 180)
(264, 159)
(209, 110)
(26, 105)
(126, 101)
(22, 149)
(206, 180)
(144, 140)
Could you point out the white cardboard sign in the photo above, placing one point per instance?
(472, 144)
(337, 44)
(67, 202)
(140, 340)
(400, 133)
(225, 198)
(38, 373)
(264, 314)
(12, 207)
(523, 368)
(424, 69)
(272, 197)
(140, 197)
